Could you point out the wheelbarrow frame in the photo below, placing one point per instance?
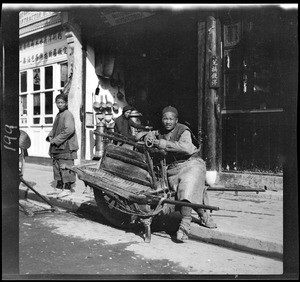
(140, 205)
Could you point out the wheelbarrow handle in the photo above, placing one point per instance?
(153, 199)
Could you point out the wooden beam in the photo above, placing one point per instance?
(201, 82)
(210, 98)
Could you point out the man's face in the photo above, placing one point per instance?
(169, 120)
(127, 113)
(61, 104)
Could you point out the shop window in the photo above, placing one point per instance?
(36, 104)
(23, 105)
(36, 108)
(38, 87)
(232, 59)
(48, 107)
(232, 34)
(252, 142)
(36, 120)
(232, 85)
(63, 74)
(253, 96)
(48, 120)
(49, 77)
(23, 109)
(251, 64)
(36, 79)
(24, 81)
(49, 103)
(23, 99)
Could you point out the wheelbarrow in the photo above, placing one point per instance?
(130, 185)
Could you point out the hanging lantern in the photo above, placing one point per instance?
(97, 91)
(108, 104)
(115, 107)
(120, 95)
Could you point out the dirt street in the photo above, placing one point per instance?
(64, 243)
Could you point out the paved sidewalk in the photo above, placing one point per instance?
(248, 221)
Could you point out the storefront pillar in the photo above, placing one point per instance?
(210, 99)
(201, 85)
(74, 86)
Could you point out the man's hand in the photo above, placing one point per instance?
(149, 127)
(150, 139)
(51, 141)
(156, 142)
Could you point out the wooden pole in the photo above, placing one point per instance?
(210, 98)
(201, 82)
(219, 102)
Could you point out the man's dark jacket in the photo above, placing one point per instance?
(122, 126)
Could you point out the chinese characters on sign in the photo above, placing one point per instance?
(116, 18)
(39, 42)
(45, 56)
(42, 49)
(214, 72)
(27, 18)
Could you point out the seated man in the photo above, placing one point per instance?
(185, 169)
(123, 123)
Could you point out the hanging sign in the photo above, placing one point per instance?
(214, 72)
(89, 119)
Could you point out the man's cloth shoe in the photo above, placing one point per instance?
(207, 221)
(181, 235)
(68, 186)
(59, 184)
(184, 229)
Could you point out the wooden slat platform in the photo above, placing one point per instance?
(112, 183)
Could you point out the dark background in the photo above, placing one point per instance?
(9, 159)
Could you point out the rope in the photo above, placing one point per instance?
(126, 209)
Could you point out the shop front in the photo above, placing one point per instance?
(149, 62)
(258, 68)
(43, 74)
(222, 69)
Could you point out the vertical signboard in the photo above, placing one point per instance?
(214, 72)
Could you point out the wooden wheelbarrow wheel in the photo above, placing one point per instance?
(107, 206)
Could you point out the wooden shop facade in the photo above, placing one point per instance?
(228, 71)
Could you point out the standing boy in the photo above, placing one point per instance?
(63, 146)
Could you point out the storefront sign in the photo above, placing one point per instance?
(33, 22)
(117, 18)
(232, 34)
(43, 50)
(214, 72)
(42, 41)
(89, 119)
(27, 18)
